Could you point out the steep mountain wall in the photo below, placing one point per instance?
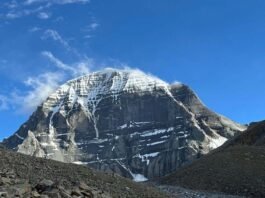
(123, 121)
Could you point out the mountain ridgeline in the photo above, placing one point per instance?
(123, 121)
(235, 168)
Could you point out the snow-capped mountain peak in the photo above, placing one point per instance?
(124, 121)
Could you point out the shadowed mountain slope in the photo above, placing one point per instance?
(237, 167)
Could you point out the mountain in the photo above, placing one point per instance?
(235, 168)
(124, 121)
(254, 136)
(26, 176)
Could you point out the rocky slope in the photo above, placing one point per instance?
(238, 167)
(123, 121)
(26, 176)
(254, 136)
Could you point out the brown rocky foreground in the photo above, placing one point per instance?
(25, 176)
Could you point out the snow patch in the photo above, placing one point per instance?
(155, 143)
(216, 142)
(133, 124)
(145, 157)
(153, 132)
(80, 163)
(19, 136)
(139, 177)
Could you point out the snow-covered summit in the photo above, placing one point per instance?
(117, 80)
(92, 87)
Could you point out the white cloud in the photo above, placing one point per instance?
(13, 15)
(22, 8)
(88, 29)
(71, 1)
(58, 63)
(41, 86)
(18, 13)
(34, 29)
(77, 69)
(3, 102)
(88, 36)
(44, 15)
(94, 26)
(83, 67)
(30, 2)
(12, 4)
(91, 27)
(53, 34)
(58, 19)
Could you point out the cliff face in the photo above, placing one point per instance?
(123, 121)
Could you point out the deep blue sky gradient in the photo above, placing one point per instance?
(216, 47)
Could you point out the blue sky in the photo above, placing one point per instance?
(216, 47)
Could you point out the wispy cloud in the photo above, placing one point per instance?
(34, 29)
(93, 26)
(88, 36)
(36, 88)
(22, 8)
(20, 11)
(30, 2)
(54, 35)
(58, 19)
(3, 102)
(77, 69)
(12, 4)
(44, 15)
(89, 29)
(41, 86)
(13, 15)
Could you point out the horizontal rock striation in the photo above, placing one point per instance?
(123, 121)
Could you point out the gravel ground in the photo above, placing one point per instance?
(236, 170)
(176, 192)
(25, 176)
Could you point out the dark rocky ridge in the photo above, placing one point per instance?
(254, 136)
(26, 176)
(123, 121)
(237, 167)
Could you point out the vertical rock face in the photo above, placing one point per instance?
(123, 121)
